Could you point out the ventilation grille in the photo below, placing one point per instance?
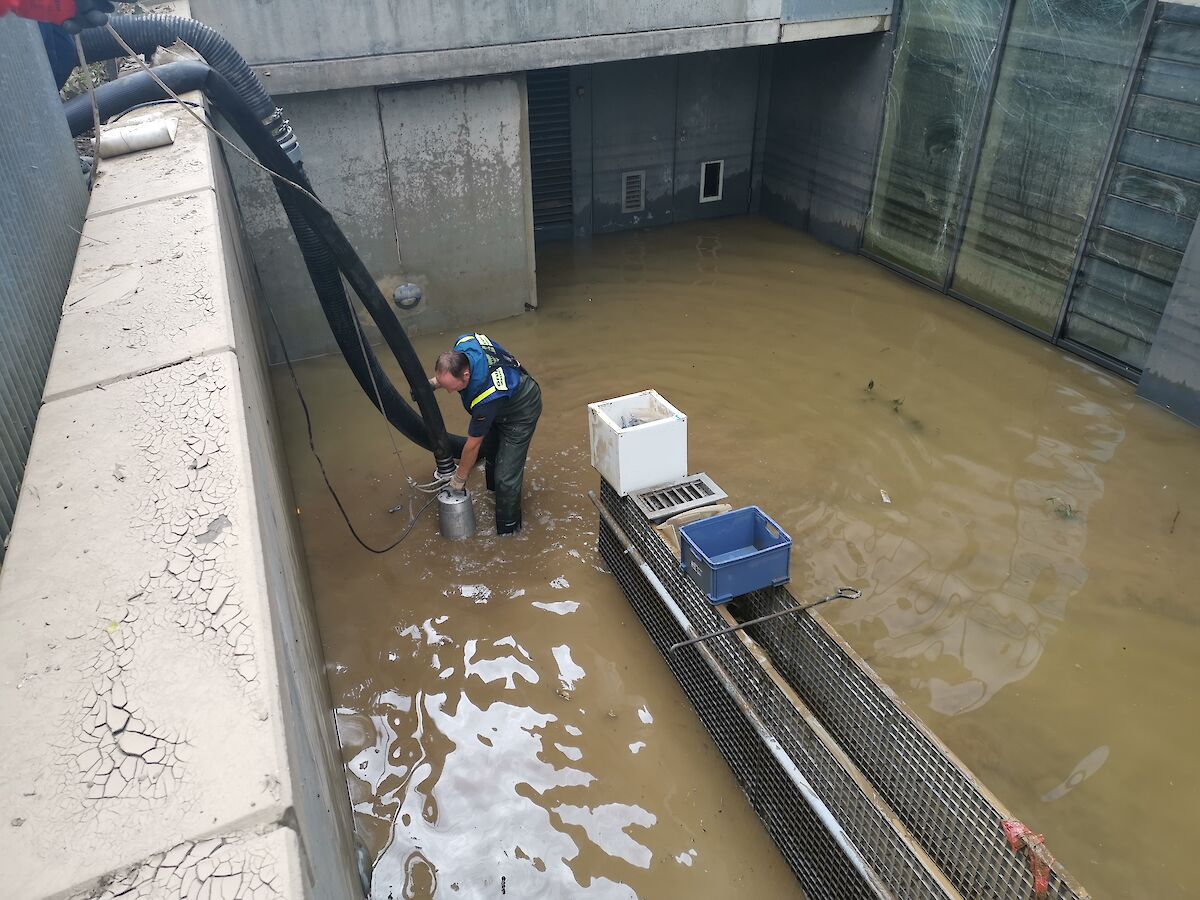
(633, 193)
(671, 499)
(550, 148)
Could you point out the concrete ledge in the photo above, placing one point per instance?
(306, 76)
(433, 65)
(148, 288)
(167, 728)
(252, 867)
(137, 632)
(812, 31)
(181, 168)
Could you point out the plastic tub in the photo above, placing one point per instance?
(735, 553)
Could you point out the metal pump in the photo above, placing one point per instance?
(456, 515)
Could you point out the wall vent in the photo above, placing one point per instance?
(633, 192)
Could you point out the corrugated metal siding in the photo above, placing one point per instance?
(1151, 201)
(43, 198)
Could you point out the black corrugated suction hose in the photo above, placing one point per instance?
(145, 34)
(326, 252)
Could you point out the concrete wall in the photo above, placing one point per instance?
(430, 183)
(1171, 377)
(311, 45)
(168, 730)
(663, 116)
(43, 197)
(823, 126)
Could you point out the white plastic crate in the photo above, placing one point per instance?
(638, 441)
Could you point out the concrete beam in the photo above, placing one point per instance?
(813, 31)
(435, 65)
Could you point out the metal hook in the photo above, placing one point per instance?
(843, 593)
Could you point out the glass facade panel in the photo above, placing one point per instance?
(944, 54)
(1152, 202)
(1057, 101)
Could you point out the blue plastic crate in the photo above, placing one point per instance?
(735, 553)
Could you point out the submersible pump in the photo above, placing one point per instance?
(456, 514)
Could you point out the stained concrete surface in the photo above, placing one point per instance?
(167, 724)
(826, 112)
(312, 30)
(148, 293)
(430, 184)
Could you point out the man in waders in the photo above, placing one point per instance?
(504, 403)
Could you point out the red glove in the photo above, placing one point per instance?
(73, 15)
(56, 11)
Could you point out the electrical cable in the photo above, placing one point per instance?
(312, 446)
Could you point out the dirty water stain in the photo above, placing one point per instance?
(1022, 528)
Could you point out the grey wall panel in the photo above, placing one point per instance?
(822, 134)
(766, 64)
(581, 149)
(1149, 204)
(459, 168)
(1171, 376)
(664, 117)
(714, 120)
(43, 198)
(633, 129)
(428, 182)
(1160, 154)
(344, 157)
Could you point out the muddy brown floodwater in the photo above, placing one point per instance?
(1023, 529)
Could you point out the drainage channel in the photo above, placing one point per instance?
(923, 823)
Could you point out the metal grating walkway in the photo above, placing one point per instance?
(922, 822)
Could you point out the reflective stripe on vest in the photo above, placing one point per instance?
(496, 361)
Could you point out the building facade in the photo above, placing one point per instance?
(1039, 160)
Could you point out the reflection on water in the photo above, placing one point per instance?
(1022, 529)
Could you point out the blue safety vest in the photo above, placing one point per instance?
(495, 373)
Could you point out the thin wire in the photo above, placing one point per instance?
(95, 111)
(137, 106)
(378, 398)
(312, 446)
(170, 93)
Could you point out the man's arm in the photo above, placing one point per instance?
(470, 456)
(481, 423)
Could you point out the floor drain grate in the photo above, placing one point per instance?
(663, 502)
